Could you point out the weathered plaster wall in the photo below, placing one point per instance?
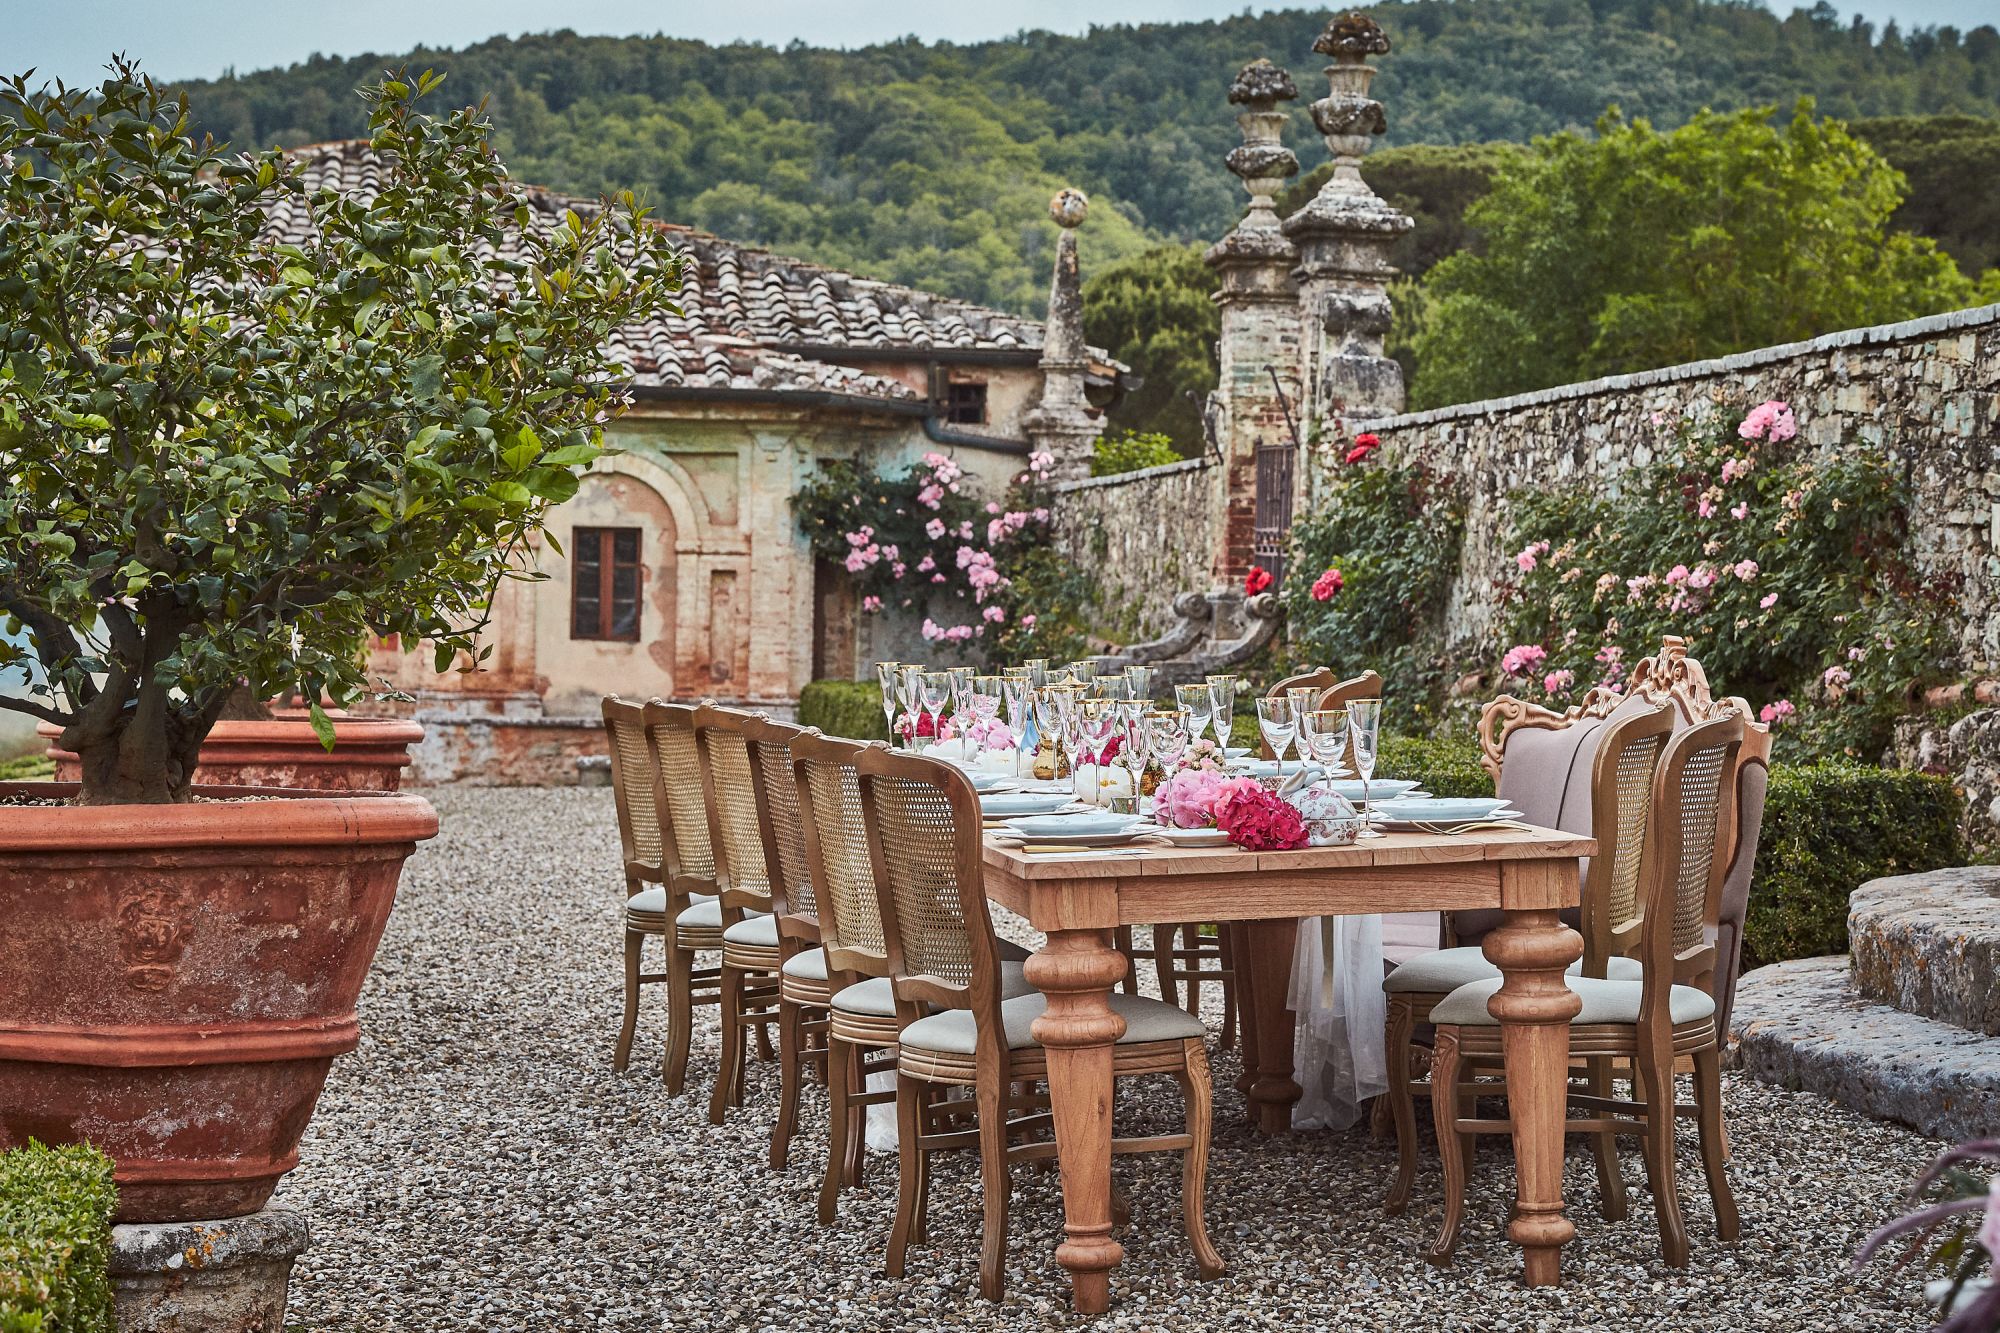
(1146, 536)
(1926, 392)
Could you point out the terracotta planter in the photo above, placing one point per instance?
(176, 980)
(368, 754)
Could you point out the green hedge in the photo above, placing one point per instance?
(27, 767)
(55, 1240)
(844, 708)
(1828, 829)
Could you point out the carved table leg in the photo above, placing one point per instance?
(1269, 962)
(1534, 1006)
(1076, 970)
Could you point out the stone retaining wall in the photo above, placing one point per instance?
(1927, 392)
(1145, 536)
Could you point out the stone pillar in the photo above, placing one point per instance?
(225, 1276)
(1062, 421)
(1344, 236)
(1260, 312)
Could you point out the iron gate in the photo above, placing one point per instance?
(1272, 529)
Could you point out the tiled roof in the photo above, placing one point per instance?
(748, 319)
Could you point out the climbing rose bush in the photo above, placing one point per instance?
(1784, 569)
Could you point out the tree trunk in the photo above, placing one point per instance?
(146, 755)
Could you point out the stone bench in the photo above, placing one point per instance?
(1929, 944)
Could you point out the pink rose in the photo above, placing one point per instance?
(1523, 658)
(1745, 570)
(1327, 585)
(1769, 600)
(1772, 715)
(1558, 681)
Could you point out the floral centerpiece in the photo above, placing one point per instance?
(1253, 816)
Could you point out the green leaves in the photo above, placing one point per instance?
(253, 456)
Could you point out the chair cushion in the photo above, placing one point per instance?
(653, 900)
(1442, 971)
(807, 964)
(760, 931)
(952, 1031)
(1604, 1001)
(705, 912)
(872, 997)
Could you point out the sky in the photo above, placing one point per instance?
(201, 38)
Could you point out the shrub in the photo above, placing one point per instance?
(1786, 572)
(1829, 828)
(851, 708)
(1369, 574)
(26, 768)
(1444, 767)
(55, 1239)
(1130, 452)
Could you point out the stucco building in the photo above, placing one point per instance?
(682, 573)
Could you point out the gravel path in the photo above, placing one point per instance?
(478, 1166)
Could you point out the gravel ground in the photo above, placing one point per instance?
(477, 1165)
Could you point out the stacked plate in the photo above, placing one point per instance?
(1091, 828)
(1012, 803)
(1440, 814)
(1377, 790)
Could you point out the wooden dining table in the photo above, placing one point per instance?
(1078, 900)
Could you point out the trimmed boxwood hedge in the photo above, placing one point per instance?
(850, 708)
(55, 1239)
(26, 767)
(1828, 828)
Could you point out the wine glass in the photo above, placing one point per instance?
(887, 675)
(1137, 750)
(936, 688)
(1016, 687)
(910, 692)
(1139, 679)
(1364, 723)
(1167, 736)
(961, 687)
(1324, 733)
(1195, 701)
(1222, 707)
(1111, 687)
(1304, 699)
(1279, 722)
(1096, 724)
(1038, 671)
(985, 695)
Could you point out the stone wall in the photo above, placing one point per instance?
(1146, 536)
(1926, 392)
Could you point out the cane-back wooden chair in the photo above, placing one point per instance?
(634, 788)
(751, 955)
(961, 1031)
(688, 862)
(1669, 1013)
(802, 981)
(1621, 782)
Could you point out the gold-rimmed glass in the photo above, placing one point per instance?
(1196, 701)
(887, 676)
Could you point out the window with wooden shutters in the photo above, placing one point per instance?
(604, 584)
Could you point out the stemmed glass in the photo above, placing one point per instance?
(936, 688)
(1111, 687)
(910, 691)
(1096, 724)
(1195, 702)
(961, 692)
(1167, 736)
(1364, 723)
(1222, 707)
(1137, 749)
(1279, 722)
(1324, 734)
(1016, 688)
(1037, 669)
(888, 676)
(985, 697)
(1139, 679)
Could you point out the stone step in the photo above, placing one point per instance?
(1929, 944)
(1802, 1025)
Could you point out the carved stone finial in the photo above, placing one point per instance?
(1068, 207)
(1261, 84)
(1354, 36)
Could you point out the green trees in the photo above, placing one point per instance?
(1154, 313)
(224, 459)
(1637, 248)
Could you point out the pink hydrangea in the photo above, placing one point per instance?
(1746, 570)
(1523, 658)
(1770, 420)
(1187, 799)
(1327, 586)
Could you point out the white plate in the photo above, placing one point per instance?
(1378, 790)
(1192, 837)
(1080, 839)
(1442, 825)
(1087, 824)
(987, 783)
(1441, 809)
(1268, 768)
(1024, 803)
(1235, 751)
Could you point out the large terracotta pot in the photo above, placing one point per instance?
(175, 980)
(368, 754)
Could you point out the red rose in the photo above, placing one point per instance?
(1365, 444)
(1258, 579)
